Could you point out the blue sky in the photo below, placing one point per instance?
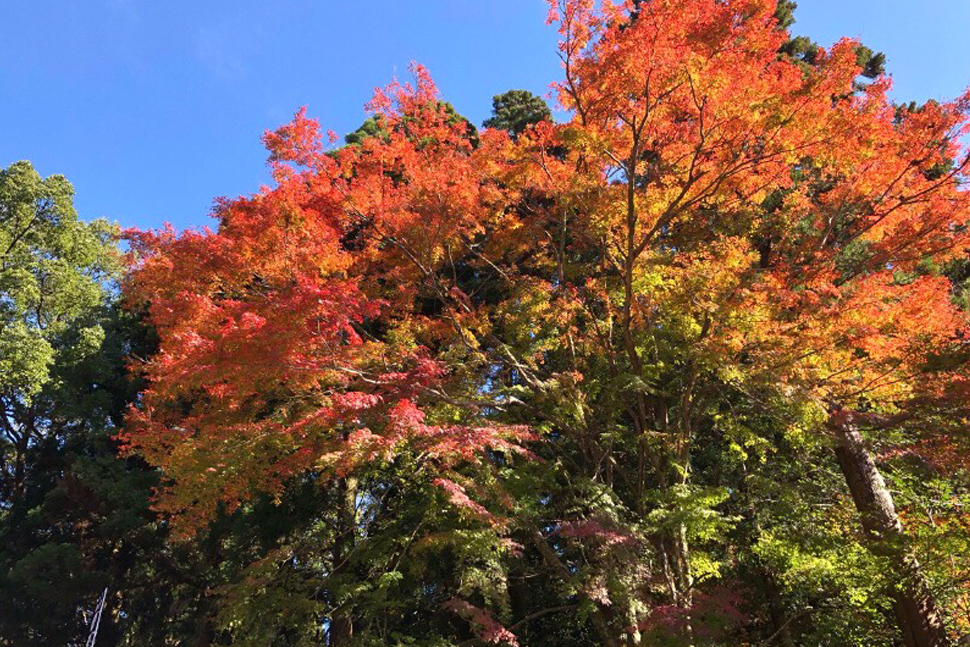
(152, 109)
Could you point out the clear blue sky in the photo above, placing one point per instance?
(153, 108)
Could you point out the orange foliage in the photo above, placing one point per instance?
(289, 336)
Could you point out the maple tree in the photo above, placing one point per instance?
(760, 229)
(289, 338)
(618, 345)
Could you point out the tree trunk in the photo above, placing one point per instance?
(780, 625)
(20, 468)
(519, 598)
(341, 620)
(913, 603)
(598, 615)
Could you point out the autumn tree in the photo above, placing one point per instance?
(747, 224)
(646, 354)
(311, 333)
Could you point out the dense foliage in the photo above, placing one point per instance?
(686, 367)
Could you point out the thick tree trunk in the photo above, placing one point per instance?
(685, 583)
(342, 620)
(913, 603)
(20, 468)
(598, 615)
(519, 598)
(780, 625)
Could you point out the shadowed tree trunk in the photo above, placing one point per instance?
(913, 604)
(598, 615)
(342, 621)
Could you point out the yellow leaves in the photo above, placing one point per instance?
(714, 281)
(651, 276)
(704, 566)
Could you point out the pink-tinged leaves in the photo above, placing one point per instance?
(458, 497)
(486, 627)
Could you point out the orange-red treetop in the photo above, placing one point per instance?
(774, 214)
(289, 337)
(787, 211)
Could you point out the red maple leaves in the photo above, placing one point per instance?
(289, 336)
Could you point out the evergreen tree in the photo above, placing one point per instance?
(516, 110)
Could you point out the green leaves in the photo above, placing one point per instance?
(514, 111)
(66, 503)
(54, 271)
(25, 359)
(693, 508)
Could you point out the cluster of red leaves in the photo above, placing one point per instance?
(597, 532)
(486, 627)
(289, 337)
(713, 615)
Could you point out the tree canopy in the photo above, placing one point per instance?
(687, 367)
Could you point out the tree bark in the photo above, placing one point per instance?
(342, 620)
(913, 604)
(597, 617)
(780, 625)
